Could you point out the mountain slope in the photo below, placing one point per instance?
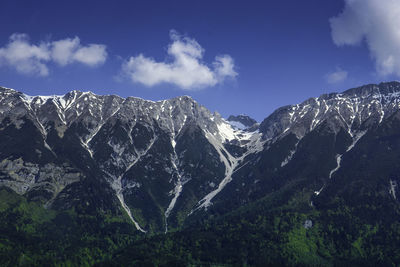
(138, 147)
(321, 192)
(315, 183)
(311, 141)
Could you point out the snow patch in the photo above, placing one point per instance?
(116, 184)
(177, 190)
(290, 156)
(339, 156)
(173, 143)
(392, 190)
(232, 164)
(226, 131)
(319, 191)
(237, 125)
(338, 160)
(355, 140)
(120, 197)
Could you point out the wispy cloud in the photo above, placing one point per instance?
(337, 76)
(186, 70)
(375, 21)
(33, 59)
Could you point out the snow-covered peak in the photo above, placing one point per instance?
(93, 111)
(352, 110)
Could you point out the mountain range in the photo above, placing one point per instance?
(314, 183)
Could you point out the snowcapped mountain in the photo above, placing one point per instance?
(163, 164)
(161, 159)
(324, 146)
(354, 110)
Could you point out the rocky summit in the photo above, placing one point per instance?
(315, 182)
(160, 161)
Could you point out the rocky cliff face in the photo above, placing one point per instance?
(353, 110)
(161, 160)
(311, 146)
(165, 163)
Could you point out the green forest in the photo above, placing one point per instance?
(255, 235)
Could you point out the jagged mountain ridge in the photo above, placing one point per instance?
(368, 104)
(316, 185)
(166, 161)
(124, 137)
(314, 144)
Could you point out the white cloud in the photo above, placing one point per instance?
(69, 50)
(186, 70)
(26, 58)
(224, 66)
(337, 76)
(375, 21)
(91, 55)
(33, 59)
(63, 50)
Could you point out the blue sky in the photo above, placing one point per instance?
(231, 56)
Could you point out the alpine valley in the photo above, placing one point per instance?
(88, 179)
